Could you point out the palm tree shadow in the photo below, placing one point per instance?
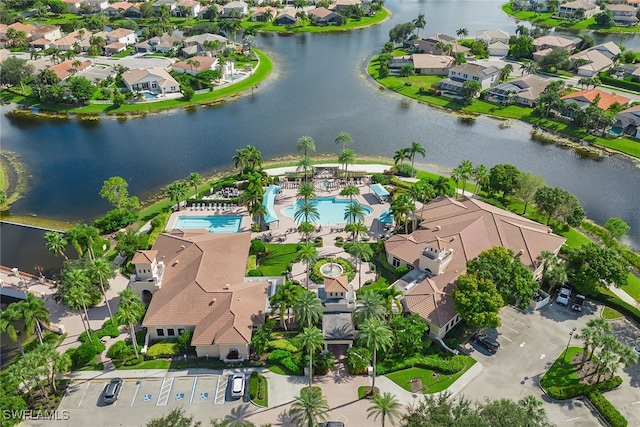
(239, 414)
(286, 420)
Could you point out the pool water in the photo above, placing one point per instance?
(149, 95)
(213, 224)
(330, 209)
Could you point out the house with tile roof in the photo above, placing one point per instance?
(49, 32)
(156, 80)
(570, 10)
(491, 36)
(322, 15)
(196, 44)
(191, 7)
(627, 122)
(195, 65)
(165, 43)
(451, 233)
(594, 60)
(584, 98)
(122, 35)
(195, 281)
(287, 17)
(67, 68)
(522, 91)
(623, 14)
(545, 44)
(486, 76)
(429, 44)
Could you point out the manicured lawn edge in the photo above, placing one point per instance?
(259, 390)
(431, 383)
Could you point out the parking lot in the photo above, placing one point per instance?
(529, 344)
(206, 396)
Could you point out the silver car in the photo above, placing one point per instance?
(563, 296)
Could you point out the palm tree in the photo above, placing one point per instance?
(177, 191)
(308, 253)
(481, 176)
(73, 236)
(346, 157)
(370, 306)
(354, 212)
(385, 405)
(307, 308)
(102, 270)
(33, 311)
(533, 408)
(391, 297)
(416, 148)
(363, 253)
(401, 207)
(350, 191)
(441, 185)
(283, 299)
(195, 179)
(462, 32)
(311, 339)
(589, 338)
(56, 243)
(419, 23)
(343, 138)
(399, 156)
(505, 72)
(466, 171)
(306, 192)
(310, 408)
(306, 211)
(76, 296)
(306, 145)
(7, 319)
(305, 164)
(357, 229)
(376, 336)
(130, 311)
(407, 71)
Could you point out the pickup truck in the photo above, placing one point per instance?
(578, 302)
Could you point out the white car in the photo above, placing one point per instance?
(563, 296)
(637, 349)
(237, 385)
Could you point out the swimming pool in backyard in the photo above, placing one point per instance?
(211, 223)
(330, 209)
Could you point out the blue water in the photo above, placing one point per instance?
(331, 210)
(213, 224)
(149, 95)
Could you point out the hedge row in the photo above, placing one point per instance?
(568, 392)
(449, 366)
(624, 84)
(607, 410)
(286, 360)
(616, 303)
(163, 349)
(282, 344)
(108, 329)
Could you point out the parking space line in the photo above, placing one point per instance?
(505, 326)
(193, 390)
(165, 391)
(573, 419)
(136, 393)
(506, 337)
(217, 399)
(83, 394)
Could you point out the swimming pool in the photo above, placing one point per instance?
(149, 95)
(331, 210)
(213, 224)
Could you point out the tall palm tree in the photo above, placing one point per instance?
(195, 179)
(308, 253)
(481, 176)
(8, 317)
(376, 336)
(74, 236)
(466, 171)
(240, 159)
(310, 408)
(533, 408)
(401, 207)
(130, 311)
(462, 32)
(305, 165)
(354, 212)
(306, 211)
(56, 243)
(346, 157)
(589, 337)
(505, 72)
(385, 405)
(311, 339)
(33, 311)
(399, 156)
(75, 297)
(177, 191)
(363, 253)
(416, 148)
(102, 270)
(307, 308)
(306, 145)
(419, 23)
(357, 229)
(283, 299)
(441, 185)
(350, 191)
(370, 306)
(343, 138)
(306, 192)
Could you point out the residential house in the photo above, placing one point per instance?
(156, 80)
(260, 14)
(18, 26)
(571, 9)
(117, 9)
(287, 17)
(627, 123)
(594, 60)
(85, 42)
(338, 332)
(338, 5)
(195, 281)
(49, 32)
(72, 39)
(429, 44)
(431, 65)
(241, 9)
(113, 48)
(545, 44)
(165, 43)
(96, 5)
(195, 44)
(633, 3)
(451, 233)
(322, 15)
(624, 71)
(584, 98)
(40, 43)
(122, 35)
(189, 8)
(73, 5)
(195, 65)
(171, 4)
(522, 91)
(498, 49)
(491, 36)
(67, 68)
(486, 76)
(134, 11)
(623, 14)
(205, 11)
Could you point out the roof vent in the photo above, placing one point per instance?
(177, 261)
(182, 247)
(227, 286)
(438, 228)
(521, 251)
(453, 238)
(213, 301)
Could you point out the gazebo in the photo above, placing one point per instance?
(381, 193)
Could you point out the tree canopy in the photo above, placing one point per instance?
(592, 265)
(477, 301)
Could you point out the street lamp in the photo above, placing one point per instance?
(573, 330)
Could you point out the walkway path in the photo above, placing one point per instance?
(624, 296)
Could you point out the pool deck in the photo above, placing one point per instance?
(230, 211)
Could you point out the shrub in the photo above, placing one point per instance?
(184, 341)
(277, 355)
(252, 263)
(339, 241)
(378, 178)
(134, 361)
(114, 220)
(347, 266)
(318, 242)
(163, 349)
(86, 353)
(120, 351)
(358, 359)
(450, 365)
(403, 170)
(110, 329)
(402, 270)
(283, 344)
(323, 362)
(286, 360)
(255, 273)
(608, 411)
(258, 247)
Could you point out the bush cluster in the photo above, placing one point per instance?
(114, 220)
(255, 273)
(120, 351)
(347, 266)
(282, 344)
(449, 366)
(86, 353)
(184, 341)
(608, 411)
(109, 329)
(163, 349)
(568, 392)
(286, 360)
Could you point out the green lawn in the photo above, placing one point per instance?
(610, 314)
(430, 383)
(259, 390)
(279, 257)
(632, 287)
(562, 373)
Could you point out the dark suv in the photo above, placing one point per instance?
(487, 342)
(112, 390)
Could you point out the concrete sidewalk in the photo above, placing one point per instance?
(624, 296)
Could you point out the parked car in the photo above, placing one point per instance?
(237, 384)
(637, 349)
(112, 390)
(332, 424)
(487, 342)
(564, 295)
(578, 302)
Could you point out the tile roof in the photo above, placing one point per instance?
(468, 227)
(336, 284)
(320, 12)
(579, 4)
(144, 256)
(553, 41)
(426, 60)
(66, 68)
(203, 285)
(119, 33)
(606, 99)
(163, 78)
(205, 63)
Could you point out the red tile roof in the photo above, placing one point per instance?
(606, 99)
